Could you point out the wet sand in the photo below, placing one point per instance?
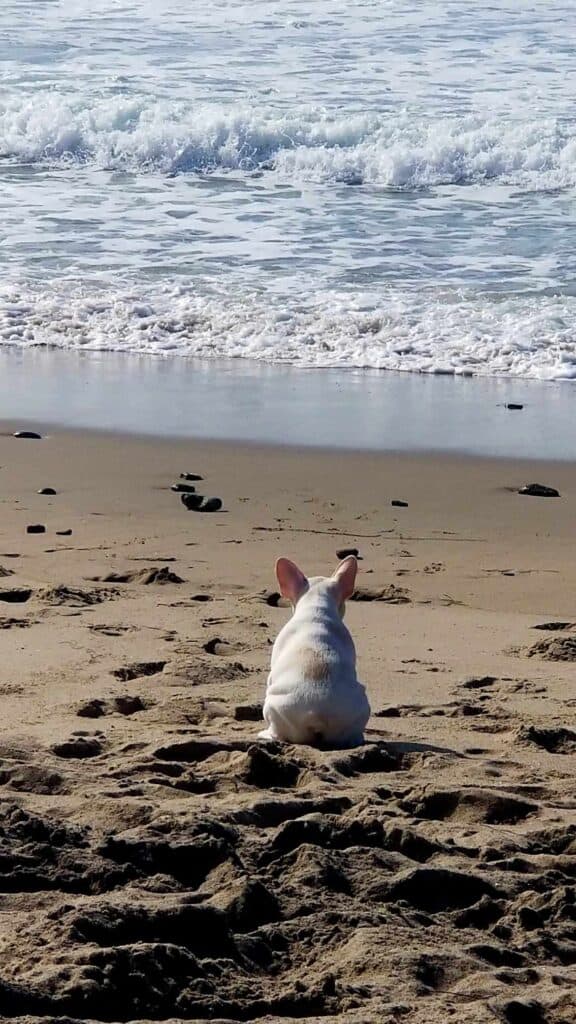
(159, 863)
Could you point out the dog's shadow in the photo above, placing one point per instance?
(393, 747)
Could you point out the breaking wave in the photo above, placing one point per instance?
(309, 144)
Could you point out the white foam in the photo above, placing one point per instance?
(398, 330)
(304, 144)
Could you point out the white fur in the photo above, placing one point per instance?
(313, 695)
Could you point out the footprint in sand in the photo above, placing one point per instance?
(469, 806)
(145, 576)
(75, 597)
(388, 595)
(248, 712)
(554, 740)
(138, 669)
(16, 595)
(127, 704)
(80, 745)
(30, 778)
(115, 630)
(7, 623)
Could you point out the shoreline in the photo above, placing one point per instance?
(348, 410)
(53, 430)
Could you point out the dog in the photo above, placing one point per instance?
(313, 695)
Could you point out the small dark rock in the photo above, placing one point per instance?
(390, 712)
(63, 533)
(479, 682)
(191, 476)
(191, 501)
(216, 646)
(346, 552)
(31, 434)
(399, 504)
(514, 405)
(211, 505)
(47, 490)
(539, 491)
(36, 528)
(275, 600)
(183, 488)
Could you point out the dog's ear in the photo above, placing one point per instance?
(291, 580)
(345, 577)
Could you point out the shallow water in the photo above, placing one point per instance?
(368, 184)
(252, 402)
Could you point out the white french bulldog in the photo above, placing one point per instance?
(313, 695)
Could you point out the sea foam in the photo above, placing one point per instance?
(425, 332)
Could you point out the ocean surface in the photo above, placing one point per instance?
(379, 183)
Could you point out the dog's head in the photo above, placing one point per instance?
(294, 585)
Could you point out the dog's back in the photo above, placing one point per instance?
(313, 694)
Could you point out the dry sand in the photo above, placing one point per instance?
(157, 863)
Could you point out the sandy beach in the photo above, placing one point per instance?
(158, 863)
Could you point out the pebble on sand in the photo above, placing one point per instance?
(211, 505)
(539, 491)
(31, 434)
(47, 490)
(346, 552)
(399, 504)
(191, 501)
(183, 488)
(36, 528)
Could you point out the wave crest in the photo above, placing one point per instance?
(309, 144)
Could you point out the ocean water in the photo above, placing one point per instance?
(378, 183)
